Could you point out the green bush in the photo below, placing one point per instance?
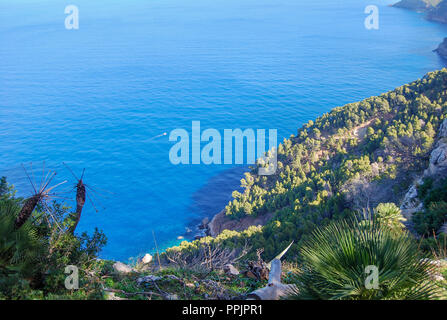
(390, 215)
(20, 251)
(434, 196)
(428, 222)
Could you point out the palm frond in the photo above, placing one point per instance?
(335, 258)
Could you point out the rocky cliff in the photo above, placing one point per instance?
(436, 10)
(442, 49)
(221, 222)
(417, 5)
(438, 13)
(437, 168)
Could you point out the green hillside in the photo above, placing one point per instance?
(353, 157)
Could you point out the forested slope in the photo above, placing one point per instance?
(346, 161)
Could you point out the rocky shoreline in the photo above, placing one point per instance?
(414, 5)
(439, 13)
(442, 49)
(436, 13)
(221, 222)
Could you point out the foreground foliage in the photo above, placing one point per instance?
(434, 196)
(338, 258)
(33, 257)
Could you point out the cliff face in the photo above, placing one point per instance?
(436, 10)
(417, 5)
(438, 13)
(221, 222)
(437, 169)
(442, 49)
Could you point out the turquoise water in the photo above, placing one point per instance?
(98, 97)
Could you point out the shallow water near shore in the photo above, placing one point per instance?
(101, 97)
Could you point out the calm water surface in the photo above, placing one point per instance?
(97, 97)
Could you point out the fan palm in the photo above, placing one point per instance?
(337, 259)
(19, 248)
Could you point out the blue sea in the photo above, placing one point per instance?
(101, 97)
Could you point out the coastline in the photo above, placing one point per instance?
(221, 222)
(442, 49)
(433, 13)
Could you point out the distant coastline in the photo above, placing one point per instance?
(220, 221)
(434, 10)
(442, 49)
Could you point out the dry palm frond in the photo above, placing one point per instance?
(40, 195)
(81, 195)
(80, 198)
(208, 257)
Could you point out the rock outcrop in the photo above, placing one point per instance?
(438, 161)
(435, 10)
(438, 13)
(411, 202)
(442, 49)
(122, 268)
(221, 222)
(146, 259)
(149, 279)
(437, 168)
(415, 5)
(442, 132)
(438, 157)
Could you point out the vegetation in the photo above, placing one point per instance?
(389, 215)
(33, 257)
(361, 155)
(353, 157)
(428, 222)
(338, 258)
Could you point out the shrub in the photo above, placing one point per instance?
(33, 257)
(429, 222)
(335, 258)
(20, 251)
(390, 215)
